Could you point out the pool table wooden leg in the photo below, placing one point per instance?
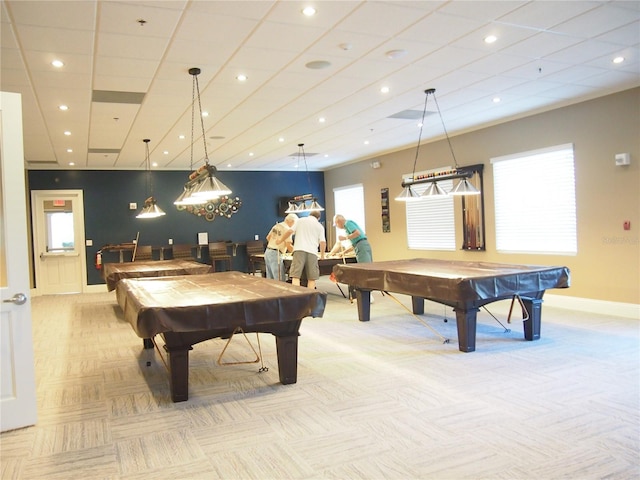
(287, 350)
(178, 372)
(532, 324)
(417, 305)
(466, 320)
(363, 298)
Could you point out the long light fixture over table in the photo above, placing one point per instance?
(203, 185)
(307, 202)
(463, 187)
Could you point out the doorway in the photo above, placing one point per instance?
(58, 241)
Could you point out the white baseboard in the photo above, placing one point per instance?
(101, 288)
(604, 307)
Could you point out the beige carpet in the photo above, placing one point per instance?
(387, 399)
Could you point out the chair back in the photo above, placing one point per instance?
(143, 253)
(255, 247)
(218, 253)
(182, 251)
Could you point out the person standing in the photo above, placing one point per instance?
(273, 261)
(309, 238)
(357, 236)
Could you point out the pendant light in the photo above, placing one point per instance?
(463, 187)
(203, 185)
(299, 204)
(150, 208)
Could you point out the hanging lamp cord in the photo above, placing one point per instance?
(446, 134)
(204, 138)
(424, 112)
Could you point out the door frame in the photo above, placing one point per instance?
(77, 197)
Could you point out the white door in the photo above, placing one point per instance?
(58, 238)
(17, 374)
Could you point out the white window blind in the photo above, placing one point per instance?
(430, 221)
(349, 202)
(535, 204)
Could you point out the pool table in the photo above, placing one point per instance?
(112, 273)
(465, 286)
(189, 309)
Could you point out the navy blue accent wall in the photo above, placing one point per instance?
(108, 220)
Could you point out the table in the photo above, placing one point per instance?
(190, 309)
(465, 286)
(325, 264)
(112, 273)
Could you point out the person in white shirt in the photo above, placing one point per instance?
(273, 261)
(309, 238)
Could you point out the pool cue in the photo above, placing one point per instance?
(135, 248)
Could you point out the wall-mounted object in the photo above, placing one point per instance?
(473, 234)
(623, 159)
(384, 204)
(220, 207)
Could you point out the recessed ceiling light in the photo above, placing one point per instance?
(71, 164)
(322, 120)
(181, 137)
(154, 164)
(490, 39)
(67, 133)
(166, 152)
(318, 64)
(366, 142)
(384, 89)
(205, 114)
(228, 165)
(57, 63)
(496, 99)
(63, 107)
(242, 77)
(69, 150)
(308, 11)
(395, 54)
(251, 154)
(281, 139)
(618, 60)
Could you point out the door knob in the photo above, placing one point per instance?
(18, 299)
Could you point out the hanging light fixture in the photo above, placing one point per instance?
(299, 203)
(150, 208)
(203, 185)
(464, 187)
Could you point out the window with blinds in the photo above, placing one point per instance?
(535, 201)
(430, 221)
(349, 202)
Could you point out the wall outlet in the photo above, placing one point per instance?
(88, 243)
(171, 241)
(133, 206)
(257, 237)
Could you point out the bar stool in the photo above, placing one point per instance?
(254, 247)
(218, 253)
(182, 251)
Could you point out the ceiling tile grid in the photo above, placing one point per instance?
(546, 55)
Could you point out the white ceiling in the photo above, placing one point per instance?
(547, 54)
